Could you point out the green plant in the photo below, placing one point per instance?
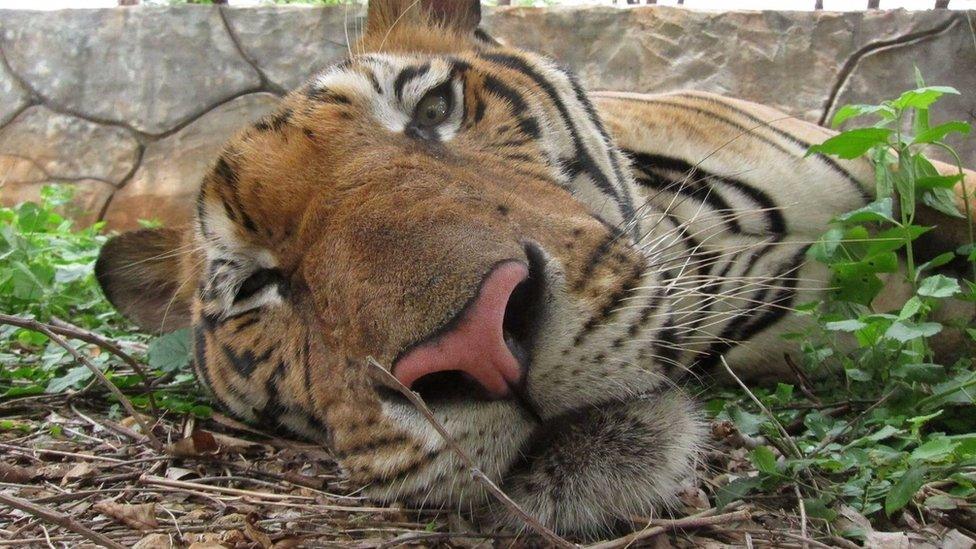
(898, 420)
(46, 273)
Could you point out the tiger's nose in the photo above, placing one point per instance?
(478, 342)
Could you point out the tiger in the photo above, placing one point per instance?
(543, 265)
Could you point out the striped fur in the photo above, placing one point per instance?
(668, 231)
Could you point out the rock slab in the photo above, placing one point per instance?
(139, 100)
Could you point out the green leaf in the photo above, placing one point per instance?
(855, 285)
(885, 432)
(852, 143)
(937, 261)
(851, 325)
(941, 502)
(906, 487)
(935, 450)
(825, 249)
(857, 374)
(817, 508)
(72, 378)
(936, 133)
(170, 352)
(922, 98)
(737, 489)
(764, 460)
(894, 238)
(910, 308)
(748, 423)
(921, 372)
(852, 111)
(943, 200)
(880, 210)
(905, 331)
(937, 182)
(938, 286)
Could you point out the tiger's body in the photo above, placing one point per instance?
(539, 263)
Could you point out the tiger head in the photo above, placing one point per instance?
(454, 211)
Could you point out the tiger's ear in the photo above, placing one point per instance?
(385, 17)
(141, 275)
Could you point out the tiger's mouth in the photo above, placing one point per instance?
(485, 351)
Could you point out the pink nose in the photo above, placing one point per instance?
(475, 343)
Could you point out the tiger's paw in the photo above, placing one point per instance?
(587, 470)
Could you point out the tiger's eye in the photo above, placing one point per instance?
(432, 110)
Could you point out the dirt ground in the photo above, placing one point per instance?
(78, 477)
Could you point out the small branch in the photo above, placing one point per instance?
(831, 438)
(153, 480)
(31, 324)
(392, 382)
(803, 515)
(769, 414)
(700, 520)
(802, 378)
(64, 521)
(76, 332)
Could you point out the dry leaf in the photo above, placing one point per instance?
(954, 539)
(895, 540)
(133, 423)
(694, 498)
(255, 533)
(197, 513)
(232, 519)
(52, 471)
(205, 443)
(16, 474)
(177, 473)
(209, 540)
(155, 541)
(851, 519)
(138, 517)
(80, 470)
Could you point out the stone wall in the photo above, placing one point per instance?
(131, 105)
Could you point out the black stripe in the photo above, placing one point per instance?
(373, 81)
(585, 159)
(268, 415)
(613, 303)
(628, 200)
(527, 124)
(325, 95)
(274, 122)
(228, 174)
(596, 256)
(668, 351)
(697, 189)
(406, 75)
(774, 217)
(200, 366)
(771, 311)
(793, 139)
(373, 445)
(865, 195)
(245, 362)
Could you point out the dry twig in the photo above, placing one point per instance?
(389, 380)
(76, 332)
(59, 519)
(31, 324)
(698, 520)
